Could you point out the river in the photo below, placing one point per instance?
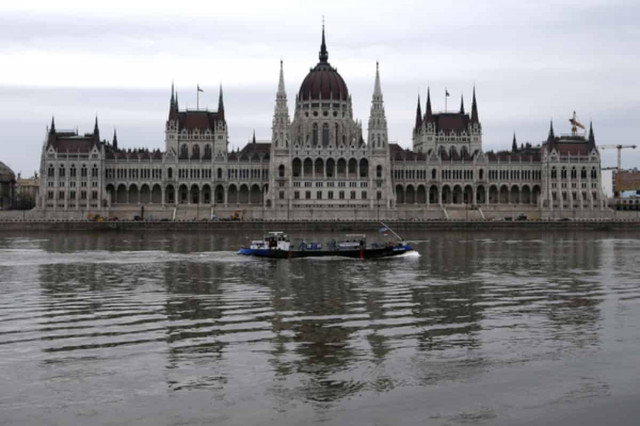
(176, 329)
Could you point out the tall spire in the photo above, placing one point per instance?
(280, 129)
(514, 145)
(428, 115)
(474, 108)
(377, 91)
(281, 90)
(377, 129)
(552, 135)
(592, 138)
(115, 140)
(253, 140)
(461, 104)
(96, 130)
(418, 114)
(324, 55)
(173, 104)
(220, 102)
(52, 129)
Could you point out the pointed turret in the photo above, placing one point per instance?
(114, 143)
(324, 54)
(173, 104)
(96, 130)
(461, 104)
(280, 128)
(592, 138)
(551, 139)
(418, 115)
(281, 90)
(253, 140)
(52, 129)
(377, 91)
(377, 130)
(514, 145)
(428, 115)
(474, 108)
(221, 102)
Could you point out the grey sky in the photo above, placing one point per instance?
(530, 62)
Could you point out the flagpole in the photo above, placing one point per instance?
(446, 93)
(198, 97)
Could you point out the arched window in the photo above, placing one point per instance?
(184, 152)
(574, 173)
(281, 171)
(379, 172)
(325, 134)
(219, 173)
(594, 173)
(583, 173)
(83, 171)
(51, 171)
(61, 171)
(563, 173)
(314, 135)
(94, 171)
(481, 174)
(195, 152)
(170, 173)
(554, 173)
(72, 171)
(433, 174)
(207, 152)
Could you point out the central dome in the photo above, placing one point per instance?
(323, 81)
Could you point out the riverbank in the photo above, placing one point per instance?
(316, 226)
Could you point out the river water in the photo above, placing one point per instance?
(176, 329)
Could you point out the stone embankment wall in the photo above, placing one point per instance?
(188, 212)
(316, 226)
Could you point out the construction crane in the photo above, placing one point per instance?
(619, 148)
(619, 168)
(575, 124)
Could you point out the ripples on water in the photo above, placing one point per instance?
(178, 329)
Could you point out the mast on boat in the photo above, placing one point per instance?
(392, 231)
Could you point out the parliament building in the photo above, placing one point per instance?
(321, 165)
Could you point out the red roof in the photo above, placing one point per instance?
(505, 157)
(201, 120)
(324, 82)
(63, 142)
(572, 148)
(400, 154)
(451, 121)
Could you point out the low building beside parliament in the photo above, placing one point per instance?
(319, 165)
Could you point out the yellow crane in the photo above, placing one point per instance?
(619, 168)
(619, 148)
(575, 124)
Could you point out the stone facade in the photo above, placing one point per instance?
(319, 166)
(7, 187)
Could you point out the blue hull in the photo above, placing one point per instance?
(370, 253)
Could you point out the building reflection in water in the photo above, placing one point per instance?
(320, 330)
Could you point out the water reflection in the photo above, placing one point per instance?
(184, 310)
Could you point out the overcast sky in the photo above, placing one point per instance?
(530, 62)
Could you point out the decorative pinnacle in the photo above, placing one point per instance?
(324, 55)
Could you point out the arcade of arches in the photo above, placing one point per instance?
(467, 194)
(187, 194)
